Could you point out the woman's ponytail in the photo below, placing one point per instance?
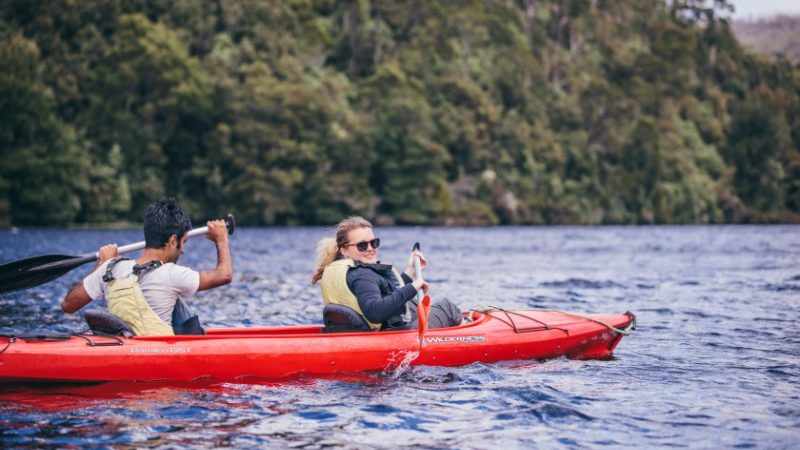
(328, 248)
(327, 252)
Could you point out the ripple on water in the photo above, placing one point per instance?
(783, 287)
(787, 372)
(544, 413)
(579, 283)
(659, 311)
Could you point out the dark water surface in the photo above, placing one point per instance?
(715, 362)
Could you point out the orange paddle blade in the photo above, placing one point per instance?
(423, 309)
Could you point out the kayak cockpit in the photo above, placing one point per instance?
(298, 330)
(314, 329)
(337, 319)
(516, 321)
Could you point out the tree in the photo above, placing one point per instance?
(44, 164)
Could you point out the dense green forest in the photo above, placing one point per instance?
(425, 111)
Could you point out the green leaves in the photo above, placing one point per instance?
(43, 169)
(435, 112)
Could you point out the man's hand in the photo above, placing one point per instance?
(217, 231)
(77, 297)
(107, 252)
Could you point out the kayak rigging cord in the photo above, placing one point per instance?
(87, 337)
(511, 323)
(487, 309)
(83, 335)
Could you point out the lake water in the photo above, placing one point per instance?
(715, 362)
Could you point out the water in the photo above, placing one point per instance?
(715, 362)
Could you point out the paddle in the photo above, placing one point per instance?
(29, 272)
(424, 302)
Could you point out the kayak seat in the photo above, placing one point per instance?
(104, 322)
(342, 319)
(184, 322)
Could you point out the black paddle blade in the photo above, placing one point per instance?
(30, 272)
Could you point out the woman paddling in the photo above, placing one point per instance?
(351, 275)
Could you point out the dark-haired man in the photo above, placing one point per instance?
(162, 281)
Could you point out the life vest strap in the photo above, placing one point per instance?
(138, 269)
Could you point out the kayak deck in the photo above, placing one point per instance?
(286, 351)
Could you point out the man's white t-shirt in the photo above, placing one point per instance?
(161, 287)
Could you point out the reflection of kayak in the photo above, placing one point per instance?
(279, 352)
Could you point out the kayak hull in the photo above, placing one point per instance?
(282, 352)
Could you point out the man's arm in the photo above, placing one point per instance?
(77, 297)
(223, 273)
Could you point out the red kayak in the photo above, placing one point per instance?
(280, 352)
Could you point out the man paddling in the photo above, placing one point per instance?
(161, 280)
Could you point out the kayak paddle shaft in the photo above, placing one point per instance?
(191, 233)
(418, 271)
(29, 272)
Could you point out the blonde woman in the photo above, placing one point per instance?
(351, 275)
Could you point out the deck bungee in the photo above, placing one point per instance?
(279, 352)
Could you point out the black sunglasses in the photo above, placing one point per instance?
(363, 245)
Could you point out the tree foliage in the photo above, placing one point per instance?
(429, 112)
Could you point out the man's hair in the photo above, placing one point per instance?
(163, 219)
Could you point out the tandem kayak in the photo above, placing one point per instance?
(227, 354)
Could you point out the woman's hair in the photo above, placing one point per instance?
(328, 248)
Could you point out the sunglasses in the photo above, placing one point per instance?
(363, 245)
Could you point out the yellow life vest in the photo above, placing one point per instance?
(335, 290)
(126, 301)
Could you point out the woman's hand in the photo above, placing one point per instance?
(420, 283)
(410, 267)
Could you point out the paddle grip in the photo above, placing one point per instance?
(231, 223)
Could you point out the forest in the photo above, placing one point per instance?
(438, 112)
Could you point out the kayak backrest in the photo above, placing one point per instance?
(184, 322)
(342, 319)
(103, 322)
